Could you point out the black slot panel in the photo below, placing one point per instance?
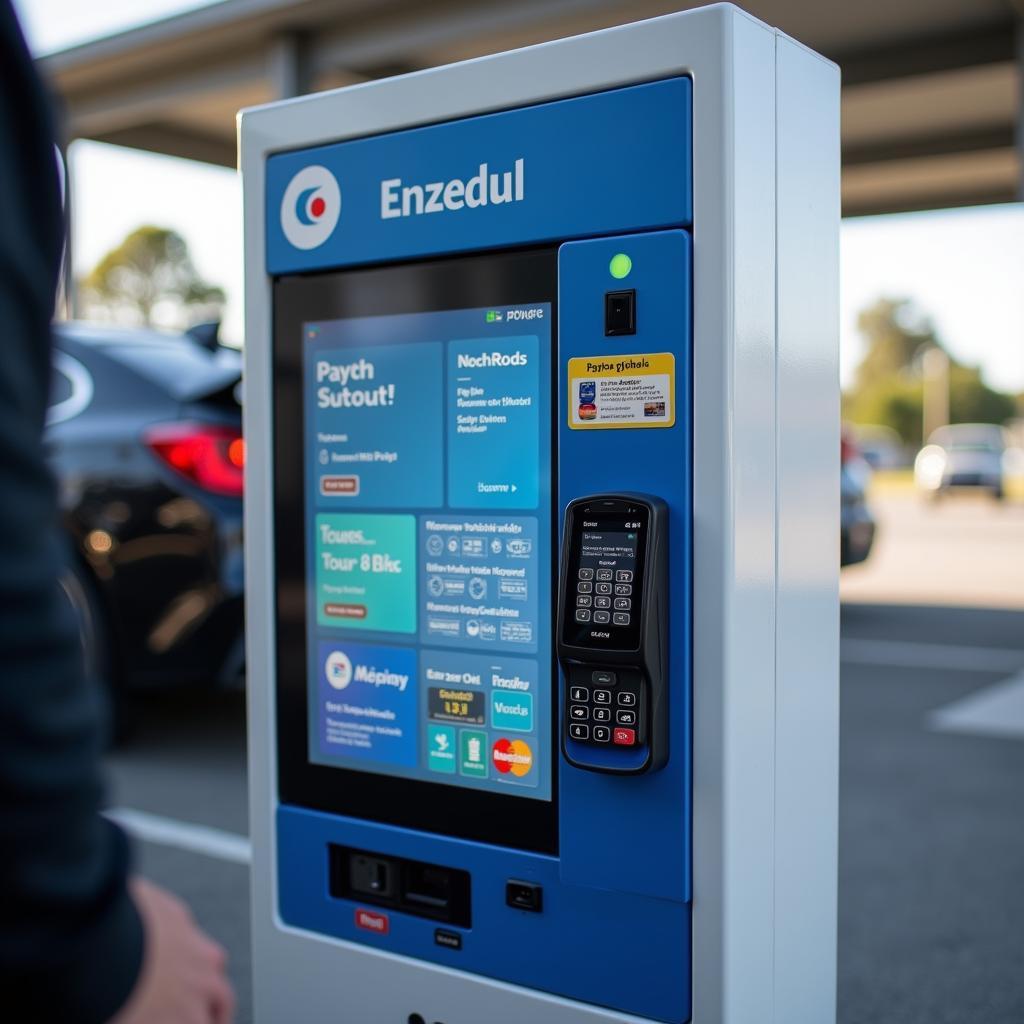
(409, 886)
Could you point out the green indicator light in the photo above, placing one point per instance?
(620, 266)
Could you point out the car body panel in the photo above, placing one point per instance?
(163, 557)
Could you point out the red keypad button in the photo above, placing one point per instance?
(625, 737)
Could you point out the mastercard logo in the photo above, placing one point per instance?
(512, 757)
(588, 411)
(310, 207)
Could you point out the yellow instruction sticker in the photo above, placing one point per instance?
(622, 391)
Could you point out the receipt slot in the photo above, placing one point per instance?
(541, 506)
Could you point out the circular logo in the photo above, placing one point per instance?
(513, 756)
(310, 207)
(338, 669)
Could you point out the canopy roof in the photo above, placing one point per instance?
(931, 97)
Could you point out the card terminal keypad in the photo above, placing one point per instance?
(605, 707)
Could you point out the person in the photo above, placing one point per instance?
(80, 942)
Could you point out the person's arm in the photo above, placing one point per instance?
(71, 940)
(75, 944)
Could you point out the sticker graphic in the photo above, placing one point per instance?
(365, 572)
(512, 711)
(441, 749)
(367, 702)
(513, 759)
(473, 753)
(626, 391)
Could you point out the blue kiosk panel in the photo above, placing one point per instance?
(438, 444)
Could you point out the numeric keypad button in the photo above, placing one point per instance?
(602, 734)
(602, 696)
(602, 714)
(586, 574)
(621, 590)
(624, 576)
(579, 731)
(621, 618)
(582, 614)
(584, 587)
(604, 575)
(627, 699)
(622, 604)
(580, 712)
(578, 693)
(602, 618)
(625, 716)
(602, 588)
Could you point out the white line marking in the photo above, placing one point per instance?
(940, 656)
(996, 710)
(153, 828)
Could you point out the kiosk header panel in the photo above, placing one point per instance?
(601, 164)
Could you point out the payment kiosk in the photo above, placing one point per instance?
(541, 412)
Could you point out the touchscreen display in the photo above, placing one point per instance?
(427, 477)
(605, 584)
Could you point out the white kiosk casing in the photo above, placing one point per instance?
(765, 520)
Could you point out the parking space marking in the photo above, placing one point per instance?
(996, 710)
(955, 657)
(183, 835)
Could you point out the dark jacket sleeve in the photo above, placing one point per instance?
(70, 937)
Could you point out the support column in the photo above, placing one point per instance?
(1019, 123)
(289, 66)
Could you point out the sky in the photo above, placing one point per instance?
(962, 268)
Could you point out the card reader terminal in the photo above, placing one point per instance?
(613, 633)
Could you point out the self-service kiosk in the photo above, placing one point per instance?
(541, 411)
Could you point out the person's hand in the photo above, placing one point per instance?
(182, 979)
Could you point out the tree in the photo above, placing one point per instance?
(888, 387)
(149, 278)
(895, 332)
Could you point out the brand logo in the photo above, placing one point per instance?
(338, 669)
(485, 188)
(512, 756)
(310, 207)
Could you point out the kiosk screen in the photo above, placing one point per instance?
(426, 455)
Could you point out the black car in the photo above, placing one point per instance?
(144, 435)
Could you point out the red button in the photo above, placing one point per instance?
(625, 737)
(371, 922)
(343, 485)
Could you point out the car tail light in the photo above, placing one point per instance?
(210, 455)
(847, 450)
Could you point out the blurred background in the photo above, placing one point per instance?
(145, 436)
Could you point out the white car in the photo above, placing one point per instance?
(962, 455)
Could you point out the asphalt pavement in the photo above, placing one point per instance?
(931, 908)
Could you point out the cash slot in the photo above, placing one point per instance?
(411, 887)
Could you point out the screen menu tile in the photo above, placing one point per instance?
(428, 543)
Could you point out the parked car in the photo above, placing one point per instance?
(880, 446)
(856, 524)
(144, 436)
(963, 455)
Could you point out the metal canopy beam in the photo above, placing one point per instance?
(173, 140)
(993, 44)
